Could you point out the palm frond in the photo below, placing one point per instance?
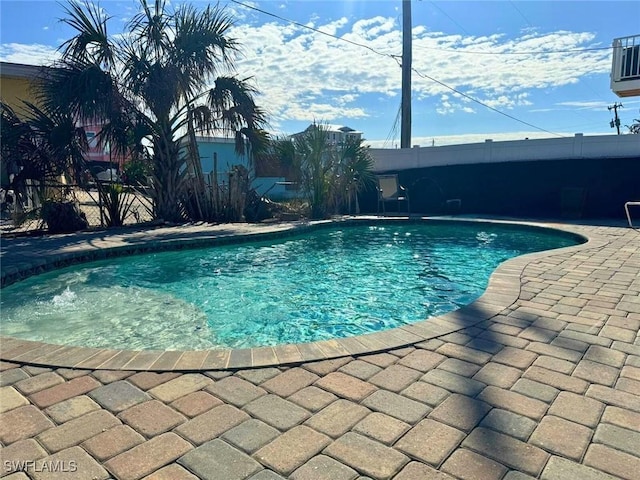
(45, 144)
(202, 47)
(91, 43)
(150, 27)
(84, 89)
(148, 86)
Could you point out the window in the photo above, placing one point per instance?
(92, 140)
(630, 62)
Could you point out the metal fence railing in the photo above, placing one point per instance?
(20, 212)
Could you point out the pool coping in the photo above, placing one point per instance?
(503, 290)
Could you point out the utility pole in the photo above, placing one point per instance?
(616, 121)
(405, 119)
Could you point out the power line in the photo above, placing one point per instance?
(530, 52)
(485, 52)
(450, 18)
(448, 50)
(393, 133)
(396, 58)
(521, 14)
(484, 104)
(470, 97)
(293, 22)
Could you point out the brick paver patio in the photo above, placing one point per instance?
(546, 387)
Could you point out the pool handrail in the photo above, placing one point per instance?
(626, 209)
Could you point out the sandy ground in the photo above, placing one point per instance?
(138, 212)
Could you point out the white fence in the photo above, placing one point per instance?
(576, 147)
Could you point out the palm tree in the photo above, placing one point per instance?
(148, 87)
(355, 174)
(40, 145)
(37, 150)
(331, 175)
(316, 158)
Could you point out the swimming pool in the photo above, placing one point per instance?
(327, 283)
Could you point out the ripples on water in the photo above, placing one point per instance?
(329, 283)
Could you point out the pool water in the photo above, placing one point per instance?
(327, 283)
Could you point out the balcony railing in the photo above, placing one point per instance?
(625, 68)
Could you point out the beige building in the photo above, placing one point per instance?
(16, 84)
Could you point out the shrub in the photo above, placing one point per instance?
(63, 216)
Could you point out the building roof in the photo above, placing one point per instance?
(341, 128)
(330, 128)
(19, 70)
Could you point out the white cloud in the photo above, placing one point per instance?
(371, 28)
(293, 65)
(344, 99)
(442, 140)
(583, 104)
(303, 74)
(28, 54)
(591, 105)
(473, 64)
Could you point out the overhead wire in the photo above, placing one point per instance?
(484, 104)
(520, 12)
(397, 58)
(317, 30)
(583, 81)
(450, 18)
(393, 133)
(484, 52)
(469, 96)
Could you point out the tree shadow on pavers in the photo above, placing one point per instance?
(550, 336)
(483, 361)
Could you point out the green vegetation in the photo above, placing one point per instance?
(148, 86)
(40, 145)
(330, 175)
(168, 78)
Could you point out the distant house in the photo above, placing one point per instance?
(219, 153)
(336, 134)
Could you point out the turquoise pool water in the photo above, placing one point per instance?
(327, 283)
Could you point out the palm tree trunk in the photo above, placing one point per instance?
(167, 187)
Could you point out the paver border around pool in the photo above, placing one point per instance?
(503, 290)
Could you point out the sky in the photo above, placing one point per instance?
(501, 70)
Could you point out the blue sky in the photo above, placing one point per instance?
(545, 63)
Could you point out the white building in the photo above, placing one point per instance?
(625, 68)
(336, 134)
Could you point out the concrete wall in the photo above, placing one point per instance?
(577, 147)
(571, 177)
